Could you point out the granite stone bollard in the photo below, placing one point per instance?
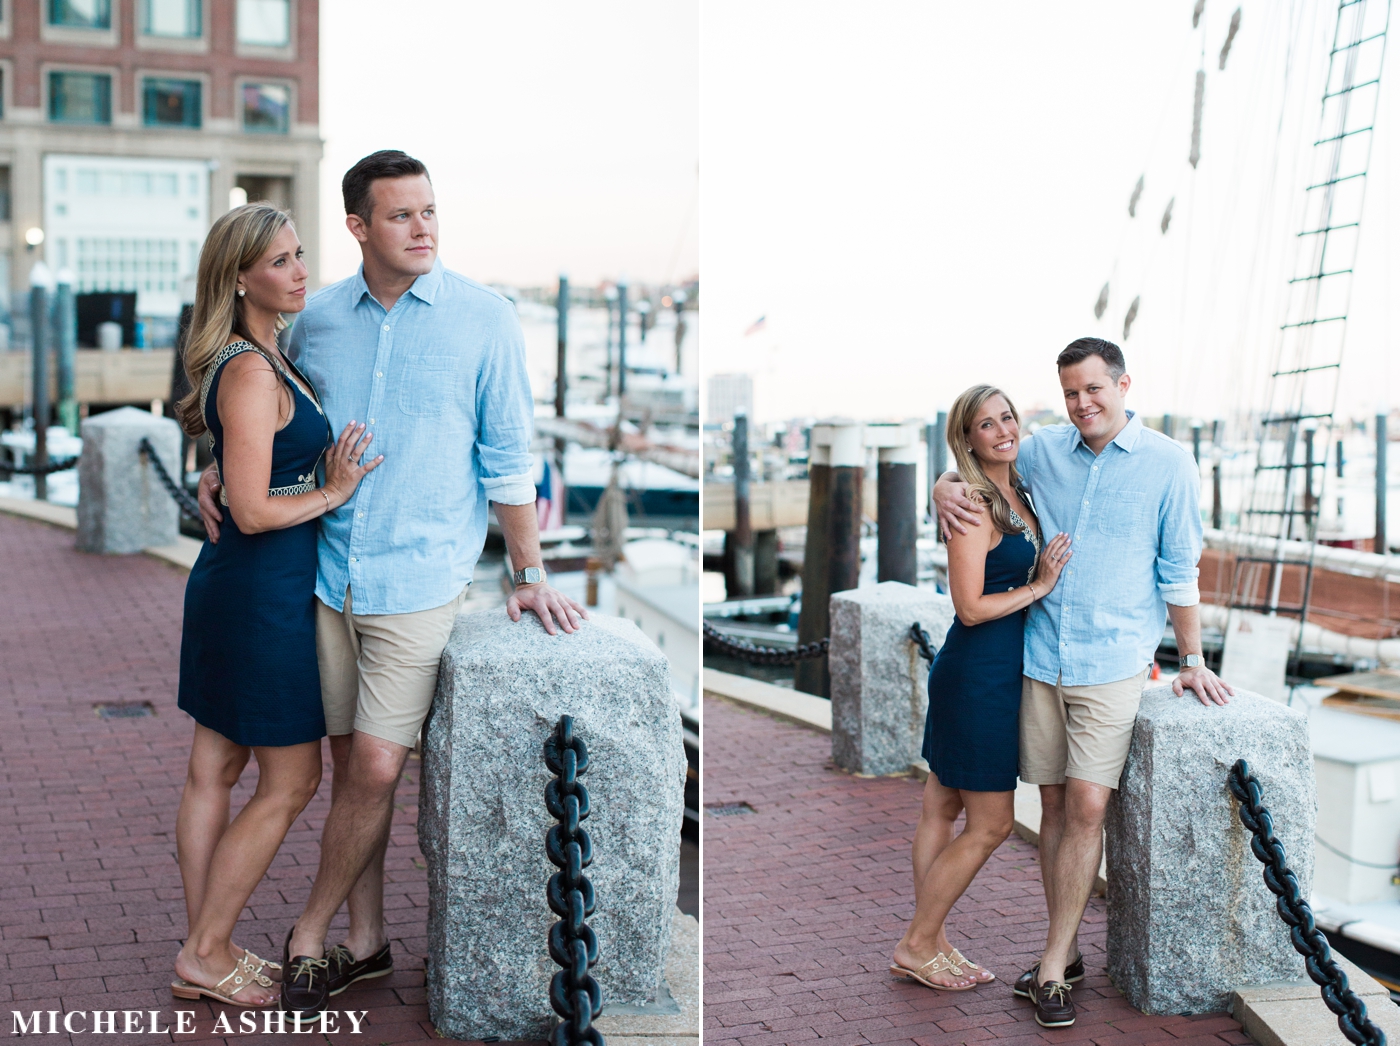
(1189, 917)
(482, 818)
(879, 681)
(122, 506)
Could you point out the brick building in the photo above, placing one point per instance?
(127, 126)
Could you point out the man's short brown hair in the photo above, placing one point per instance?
(1082, 348)
(358, 184)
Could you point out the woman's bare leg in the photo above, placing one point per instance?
(944, 866)
(216, 764)
(287, 779)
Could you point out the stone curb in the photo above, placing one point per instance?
(182, 554)
(791, 705)
(1292, 1013)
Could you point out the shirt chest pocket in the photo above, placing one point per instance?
(1123, 516)
(429, 385)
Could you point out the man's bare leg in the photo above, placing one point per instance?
(1078, 852)
(366, 901)
(1052, 828)
(357, 827)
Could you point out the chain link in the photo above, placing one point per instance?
(573, 993)
(1294, 910)
(188, 505)
(60, 465)
(923, 641)
(720, 643)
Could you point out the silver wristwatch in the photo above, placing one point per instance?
(528, 576)
(1190, 661)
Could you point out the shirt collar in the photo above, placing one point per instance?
(424, 288)
(1126, 439)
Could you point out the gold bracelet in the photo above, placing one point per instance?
(1031, 585)
(328, 500)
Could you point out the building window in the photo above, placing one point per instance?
(181, 18)
(265, 23)
(80, 98)
(171, 103)
(81, 14)
(266, 108)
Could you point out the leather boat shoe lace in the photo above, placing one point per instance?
(305, 981)
(1024, 987)
(1054, 1005)
(345, 970)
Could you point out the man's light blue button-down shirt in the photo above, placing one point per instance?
(1133, 512)
(440, 380)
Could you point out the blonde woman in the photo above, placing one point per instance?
(248, 671)
(970, 738)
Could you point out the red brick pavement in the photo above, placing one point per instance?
(91, 908)
(805, 899)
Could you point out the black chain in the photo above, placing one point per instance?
(742, 649)
(923, 641)
(574, 994)
(188, 505)
(1294, 910)
(59, 465)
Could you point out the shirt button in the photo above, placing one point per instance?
(360, 514)
(386, 326)
(379, 374)
(371, 421)
(352, 559)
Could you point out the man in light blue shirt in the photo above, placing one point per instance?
(434, 364)
(1129, 499)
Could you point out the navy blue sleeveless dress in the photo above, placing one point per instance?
(248, 652)
(974, 687)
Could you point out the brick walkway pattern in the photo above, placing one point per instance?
(91, 907)
(805, 899)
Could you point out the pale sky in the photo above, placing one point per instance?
(922, 196)
(558, 136)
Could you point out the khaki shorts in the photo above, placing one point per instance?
(1077, 731)
(379, 671)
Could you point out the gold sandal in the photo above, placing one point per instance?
(242, 975)
(260, 964)
(940, 963)
(962, 960)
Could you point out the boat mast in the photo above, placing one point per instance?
(1286, 494)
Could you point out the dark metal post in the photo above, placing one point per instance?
(66, 321)
(1167, 427)
(743, 525)
(831, 561)
(1196, 441)
(643, 312)
(610, 300)
(39, 278)
(1381, 485)
(1341, 457)
(621, 337)
(1216, 511)
(561, 373)
(678, 300)
(897, 508)
(765, 562)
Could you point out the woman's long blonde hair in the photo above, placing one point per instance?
(234, 243)
(960, 419)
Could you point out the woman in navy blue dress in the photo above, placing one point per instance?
(248, 673)
(970, 737)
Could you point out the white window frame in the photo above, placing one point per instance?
(69, 34)
(186, 44)
(143, 74)
(5, 16)
(291, 87)
(71, 67)
(287, 53)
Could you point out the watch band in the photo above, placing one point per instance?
(528, 576)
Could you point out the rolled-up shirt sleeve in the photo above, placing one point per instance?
(505, 417)
(1179, 538)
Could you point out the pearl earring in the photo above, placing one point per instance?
(240, 292)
